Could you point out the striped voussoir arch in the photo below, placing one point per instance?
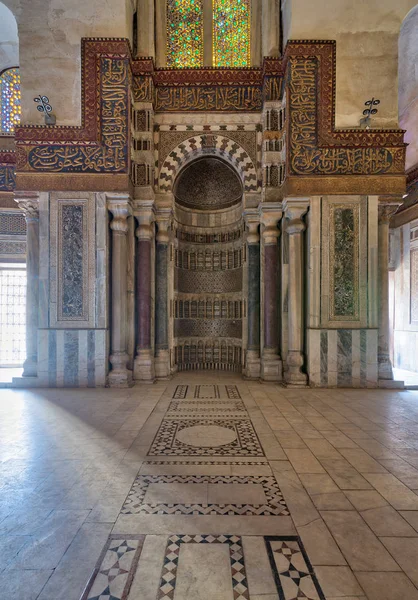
(211, 145)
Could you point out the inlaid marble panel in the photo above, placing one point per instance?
(205, 495)
(72, 261)
(211, 437)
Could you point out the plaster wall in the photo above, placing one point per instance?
(408, 84)
(367, 35)
(50, 33)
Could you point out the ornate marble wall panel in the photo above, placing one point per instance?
(342, 357)
(344, 261)
(72, 261)
(72, 358)
(216, 282)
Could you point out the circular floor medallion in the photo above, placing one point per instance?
(205, 436)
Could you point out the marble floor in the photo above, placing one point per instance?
(208, 487)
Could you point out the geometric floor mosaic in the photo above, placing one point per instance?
(206, 392)
(136, 502)
(292, 570)
(214, 437)
(171, 561)
(112, 578)
(206, 408)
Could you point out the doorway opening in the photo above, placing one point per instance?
(12, 316)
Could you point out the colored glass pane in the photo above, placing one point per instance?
(184, 33)
(231, 33)
(10, 100)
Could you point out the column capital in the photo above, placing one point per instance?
(387, 207)
(145, 215)
(252, 222)
(294, 210)
(120, 208)
(28, 202)
(270, 217)
(163, 219)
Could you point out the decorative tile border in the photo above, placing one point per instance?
(171, 561)
(275, 506)
(115, 570)
(232, 392)
(181, 392)
(292, 570)
(203, 409)
(245, 444)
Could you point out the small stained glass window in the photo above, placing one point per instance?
(10, 99)
(231, 33)
(184, 33)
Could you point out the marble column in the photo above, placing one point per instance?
(252, 365)
(271, 364)
(295, 226)
(144, 367)
(120, 375)
(386, 210)
(162, 355)
(29, 203)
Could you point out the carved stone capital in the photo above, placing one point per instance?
(252, 221)
(387, 208)
(120, 208)
(29, 204)
(163, 219)
(145, 216)
(295, 209)
(270, 218)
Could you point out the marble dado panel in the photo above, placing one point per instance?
(208, 328)
(72, 261)
(72, 358)
(344, 261)
(201, 282)
(414, 285)
(342, 357)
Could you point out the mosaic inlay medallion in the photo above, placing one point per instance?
(241, 441)
(136, 502)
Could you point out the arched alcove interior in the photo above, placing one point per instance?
(408, 84)
(208, 280)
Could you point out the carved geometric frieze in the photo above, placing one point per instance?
(72, 261)
(215, 282)
(344, 262)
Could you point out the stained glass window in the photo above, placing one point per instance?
(10, 99)
(231, 33)
(184, 33)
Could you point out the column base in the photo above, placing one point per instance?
(252, 365)
(144, 367)
(162, 364)
(294, 377)
(384, 366)
(27, 382)
(30, 368)
(390, 384)
(119, 376)
(271, 366)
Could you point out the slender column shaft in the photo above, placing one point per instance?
(144, 294)
(162, 355)
(271, 364)
(31, 210)
(119, 376)
(144, 369)
(386, 210)
(252, 366)
(295, 358)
